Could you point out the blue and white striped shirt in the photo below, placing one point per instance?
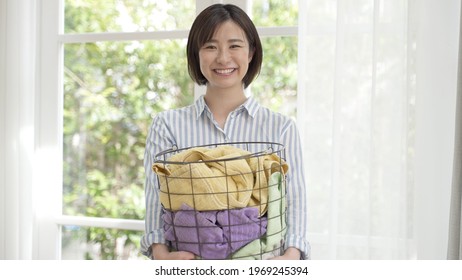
(194, 125)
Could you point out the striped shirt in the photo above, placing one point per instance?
(194, 125)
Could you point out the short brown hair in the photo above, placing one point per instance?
(202, 31)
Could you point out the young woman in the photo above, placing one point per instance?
(224, 53)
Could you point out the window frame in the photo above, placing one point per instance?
(49, 161)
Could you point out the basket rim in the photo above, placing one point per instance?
(280, 148)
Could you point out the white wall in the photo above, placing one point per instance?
(437, 52)
(2, 125)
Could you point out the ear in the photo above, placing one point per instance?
(251, 52)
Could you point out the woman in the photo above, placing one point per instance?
(224, 53)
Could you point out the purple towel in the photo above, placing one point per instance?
(216, 234)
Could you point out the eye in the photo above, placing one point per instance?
(209, 47)
(235, 46)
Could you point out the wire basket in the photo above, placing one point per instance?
(224, 201)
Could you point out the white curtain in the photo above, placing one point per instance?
(358, 101)
(17, 112)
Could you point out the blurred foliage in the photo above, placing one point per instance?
(275, 12)
(113, 89)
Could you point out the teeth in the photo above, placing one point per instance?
(224, 71)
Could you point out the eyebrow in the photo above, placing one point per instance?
(229, 41)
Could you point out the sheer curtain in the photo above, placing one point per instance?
(17, 97)
(358, 119)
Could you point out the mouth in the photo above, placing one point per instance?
(224, 71)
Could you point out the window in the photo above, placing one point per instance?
(116, 66)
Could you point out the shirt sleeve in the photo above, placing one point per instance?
(296, 192)
(158, 139)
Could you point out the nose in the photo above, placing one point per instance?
(223, 56)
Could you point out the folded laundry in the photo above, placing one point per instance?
(218, 178)
(272, 243)
(212, 234)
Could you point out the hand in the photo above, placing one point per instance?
(161, 252)
(290, 254)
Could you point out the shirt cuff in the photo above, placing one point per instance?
(301, 244)
(156, 236)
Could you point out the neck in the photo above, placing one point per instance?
(223, 102)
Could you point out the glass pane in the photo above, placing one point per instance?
(275, 12)
(111, 91)
(276, 86)
(89, 243)
(128, 15)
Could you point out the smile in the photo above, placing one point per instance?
(225, 71)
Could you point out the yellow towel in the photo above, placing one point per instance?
(205, 180)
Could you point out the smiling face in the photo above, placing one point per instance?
(224, 59)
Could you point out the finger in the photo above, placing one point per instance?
(184, 255)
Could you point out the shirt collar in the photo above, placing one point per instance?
(200, 106)
(250, 105)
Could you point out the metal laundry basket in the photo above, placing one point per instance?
(224, 201)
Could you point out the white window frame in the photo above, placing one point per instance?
(49, 147)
